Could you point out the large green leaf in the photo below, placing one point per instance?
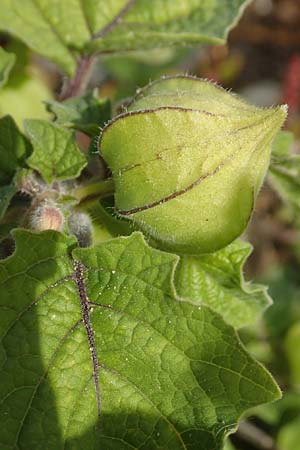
(217, 280)
(62, 30)
(56, 155)
(284, 173)
(7, 61)
(98, 354)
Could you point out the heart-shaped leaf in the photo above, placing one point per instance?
(97, 353)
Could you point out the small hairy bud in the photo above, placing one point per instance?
(81, 226)
(188, 160)
(47, 216)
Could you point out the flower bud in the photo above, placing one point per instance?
(47, 216)
(81, 226)
(188, 160)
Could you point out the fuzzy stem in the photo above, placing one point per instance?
(79, 83)
(99, 189)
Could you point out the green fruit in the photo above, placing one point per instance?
(188, 160)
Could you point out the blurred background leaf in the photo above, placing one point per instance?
(62, 31)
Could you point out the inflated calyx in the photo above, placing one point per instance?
(188, 160)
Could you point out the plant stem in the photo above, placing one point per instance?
(79, 83)
(255, 436)
(99, 189)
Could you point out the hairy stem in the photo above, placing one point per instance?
(100, 189)
(78, 85)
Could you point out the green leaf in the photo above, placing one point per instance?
(56, 155)
(217, 280)
(14, 149)
(61, 31)
(188, 160)
(167, 22)
(87, 113)
(284, 173)
(97, 352)
(7, 60)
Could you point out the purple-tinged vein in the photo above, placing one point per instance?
(85, 308)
